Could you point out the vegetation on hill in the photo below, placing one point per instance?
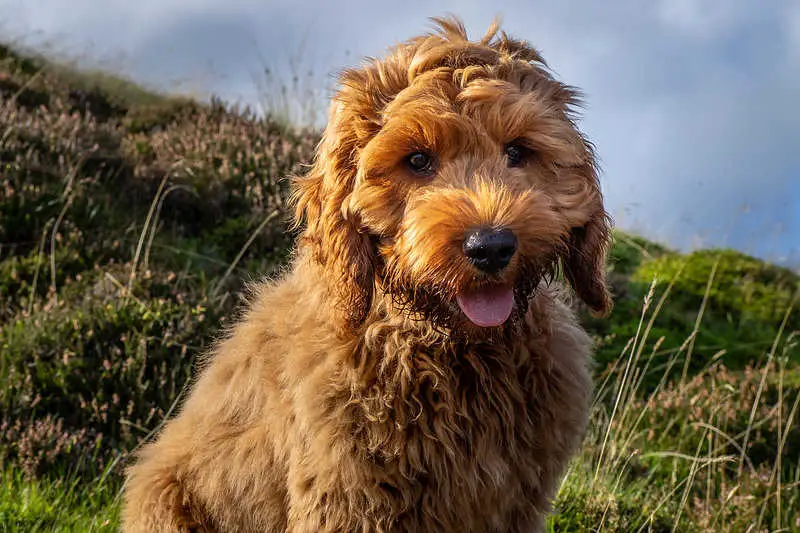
(129, 221)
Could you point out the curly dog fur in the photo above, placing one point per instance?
(360, 392)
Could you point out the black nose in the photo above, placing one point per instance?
(490, 249)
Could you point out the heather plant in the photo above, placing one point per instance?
(122, 225)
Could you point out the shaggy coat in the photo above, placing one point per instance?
(386, 382)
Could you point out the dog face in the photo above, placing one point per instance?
(452, 177)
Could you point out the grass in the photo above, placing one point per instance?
(129, 222)
(56, 504)
(716, 450)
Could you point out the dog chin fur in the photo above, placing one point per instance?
(353, 394)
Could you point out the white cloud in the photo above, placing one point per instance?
(705, 18)
(793, 33)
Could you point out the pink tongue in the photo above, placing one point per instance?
(488, 306)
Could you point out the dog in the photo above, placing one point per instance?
(419, 366)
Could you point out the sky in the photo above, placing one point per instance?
(693, 105)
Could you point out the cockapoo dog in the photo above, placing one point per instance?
(418, 369)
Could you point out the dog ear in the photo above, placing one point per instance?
(585, 261)
(332, 232)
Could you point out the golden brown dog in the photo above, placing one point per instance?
(417, 369)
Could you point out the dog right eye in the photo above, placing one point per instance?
(420, 162)
(516, 154)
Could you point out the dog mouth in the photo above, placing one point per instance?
(484, 304)
(487, 306)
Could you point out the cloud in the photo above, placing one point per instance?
(792, 22)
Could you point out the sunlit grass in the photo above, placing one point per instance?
(56, 503)
(680, 457)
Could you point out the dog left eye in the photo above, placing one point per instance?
(420, 162)
(516, 154)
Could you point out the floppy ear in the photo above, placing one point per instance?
(333, 232)
(584, 264)
(585, 261)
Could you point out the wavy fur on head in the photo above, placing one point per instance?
(354, 394)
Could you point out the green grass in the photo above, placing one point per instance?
(59, 504)
(715, 449)
(130, 220)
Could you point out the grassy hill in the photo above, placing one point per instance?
(129, 221)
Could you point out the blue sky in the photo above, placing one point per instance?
(694, 105)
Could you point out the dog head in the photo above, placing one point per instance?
(452, 176)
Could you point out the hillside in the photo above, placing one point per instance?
(130, 220)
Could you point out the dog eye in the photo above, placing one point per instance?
(516, 154)
(420, 162)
